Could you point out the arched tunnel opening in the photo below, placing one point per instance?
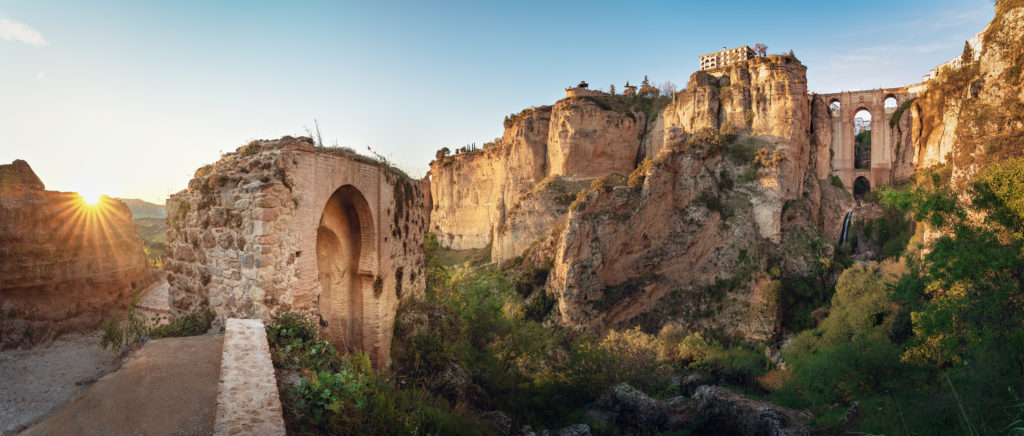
(861, 187)
(341, 255)
(862, 140)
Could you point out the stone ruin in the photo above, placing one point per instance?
(64, 265)
(283, 225)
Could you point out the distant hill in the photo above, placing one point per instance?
(144, 209)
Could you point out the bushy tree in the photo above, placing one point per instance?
(967, 290)
(760, 49)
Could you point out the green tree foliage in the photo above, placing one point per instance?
(967, 292)
(343, 394)
(851, 352)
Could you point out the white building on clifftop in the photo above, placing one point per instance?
(726, 57)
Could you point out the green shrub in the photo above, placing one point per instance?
(295, 343)
(836, 181)
(538, 307)
(737, 366)
(637, 177)
(122, 332)
(711, 201)
(191, 324)
(250, 149)
(607, 183)
(898, 113)
(287, 326)
(344, 395)
(743, 152)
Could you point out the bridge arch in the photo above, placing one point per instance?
(835, 107)
(345, 253)
(863, 119)
(861, 186)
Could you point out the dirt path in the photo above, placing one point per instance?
(168, 387)
(154, 303)
(35, 382)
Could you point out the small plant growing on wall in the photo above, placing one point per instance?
(378, 287)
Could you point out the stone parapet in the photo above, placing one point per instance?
(247, 397)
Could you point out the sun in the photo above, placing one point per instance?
(91, 198)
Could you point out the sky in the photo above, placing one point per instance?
(129, 98)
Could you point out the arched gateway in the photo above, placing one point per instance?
(344, 245)
(282, 225)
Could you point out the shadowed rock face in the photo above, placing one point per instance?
(64, 265)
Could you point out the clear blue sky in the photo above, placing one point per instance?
(130, 97)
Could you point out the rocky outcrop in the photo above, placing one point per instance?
(591, 137)
(282, 225)
(682, 247)
(690, 244)
(731, 413)
(471, 192)
(711, 410)
(64, 265)
(970, 116)
(767, 96)
(510, 195)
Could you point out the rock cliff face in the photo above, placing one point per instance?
(283, 225)
(686, 247)
(591, 137)
(681, 246)
(973, 115)
(472, 192)
(766, 95)
(509, 196)
(64, 265)
(691, 244)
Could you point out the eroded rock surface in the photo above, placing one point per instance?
(688, 245)
(64, 265)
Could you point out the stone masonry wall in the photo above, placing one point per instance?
(244, 240)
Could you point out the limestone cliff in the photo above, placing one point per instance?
(692, 243)
(973, 114)
(592, 137)
(471, 192)
(64, 265)
(766, 96)
(686, 247)
(496, 196)
(737, 173)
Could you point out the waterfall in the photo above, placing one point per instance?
(846, 227)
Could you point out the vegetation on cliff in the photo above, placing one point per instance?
(930, 342)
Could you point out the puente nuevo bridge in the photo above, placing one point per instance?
(884, 140)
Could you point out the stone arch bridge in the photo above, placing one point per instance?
(282, 225)
(883, 136)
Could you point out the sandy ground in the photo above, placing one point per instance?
(169, 386)
(34, 383)
(39, 382)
